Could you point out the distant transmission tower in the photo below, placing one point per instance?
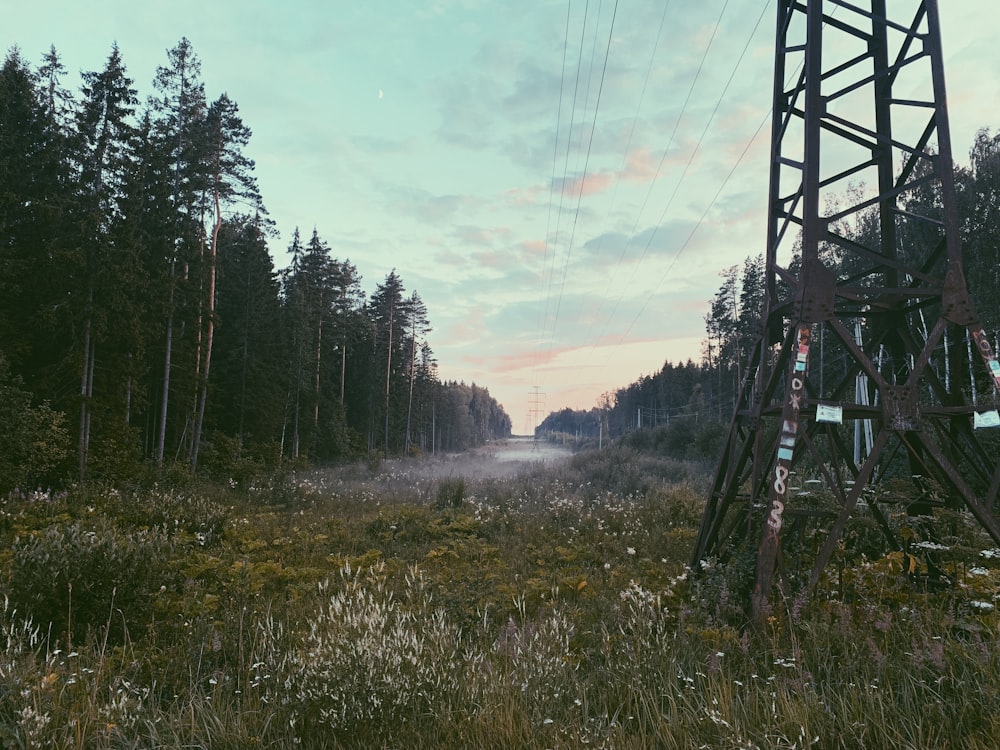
(863, 254)
(537, 399)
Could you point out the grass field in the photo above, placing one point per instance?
(404, 607)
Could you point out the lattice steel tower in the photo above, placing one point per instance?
(859, 373)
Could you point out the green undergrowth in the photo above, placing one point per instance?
(398, 608)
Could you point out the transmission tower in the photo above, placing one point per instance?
(537, 399)
(863, 263)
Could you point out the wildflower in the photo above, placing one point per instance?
(630, 550)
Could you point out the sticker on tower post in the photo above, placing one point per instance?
(986, 419)
(832, 413)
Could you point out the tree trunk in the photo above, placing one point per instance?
(388, 370)
(83, 437)
(161, 437)
(413, 372)
(343, 369)
(209, 332)
(243, 372)
(319, 354)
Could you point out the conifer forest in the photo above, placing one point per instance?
(142, 319)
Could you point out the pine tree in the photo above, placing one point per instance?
(55, 99)
(295, 295)
(388, 314)
(103, 140)
(980, 197)
(35, 226)
(179, 110)
(229, 179)
(417, 327)
(249, 346)
(723, 342)
(143, 239)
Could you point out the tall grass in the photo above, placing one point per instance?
(394, 610)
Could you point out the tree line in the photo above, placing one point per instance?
(690, 403)
(142, 320)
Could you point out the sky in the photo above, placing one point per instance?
(561, 181)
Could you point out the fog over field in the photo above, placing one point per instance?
(501, 458)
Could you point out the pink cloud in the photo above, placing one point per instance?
(533, 248)
(493, 259)
(521, 360)
(508, 362)
(588, 184)
(483, 236)
(469, 329)
(526, 196)
(640, 165)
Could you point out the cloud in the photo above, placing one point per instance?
(494, 259)
(524, 196)
(583, 185)
(428, 207)
(470, 234)
(469, 329)
(532, 249)
(640, 165)
(518, 361)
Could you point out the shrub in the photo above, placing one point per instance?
(172, 511)
(370, 660)
(34, 441)
(450, 493)
(22, 640)
(72, 578)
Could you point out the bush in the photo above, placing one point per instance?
(72, 579)
(370, 661)
(450, 493)
(174, 511)
(34, 442)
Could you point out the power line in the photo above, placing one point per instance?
(583, 179)
(631, 135)
(569, 142)
(553, 302)
(663, 157)
(543, 318)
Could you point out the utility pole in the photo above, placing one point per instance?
(847, 101)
